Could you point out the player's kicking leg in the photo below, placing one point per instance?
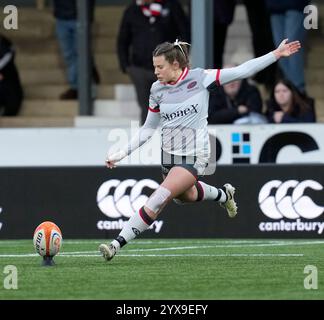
(177, 181)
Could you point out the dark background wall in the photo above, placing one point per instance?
(68, 197)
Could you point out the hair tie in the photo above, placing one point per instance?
(178, 43)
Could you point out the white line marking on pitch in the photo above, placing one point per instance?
(225, 246)
(73, 255)
(217, 255)
(201, 255)
(84, 253)
(184, 242)
(216, 242)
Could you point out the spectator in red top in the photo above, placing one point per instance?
(145, 24)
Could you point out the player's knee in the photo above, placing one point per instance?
(192, 194)
(158, 199)
(188, 196)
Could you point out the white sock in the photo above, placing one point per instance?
(136, 224)
(208, 192)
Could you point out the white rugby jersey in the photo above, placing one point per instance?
(181, 108)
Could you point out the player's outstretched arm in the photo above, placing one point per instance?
(253, 66)
(144, 134)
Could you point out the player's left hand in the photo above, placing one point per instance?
(286, 49)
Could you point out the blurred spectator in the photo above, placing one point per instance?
(233, 101)
(262, 39)
(65, 13)
(223, 17)
(11, 92)
(287, 21)
(259, 22)
(145, 24)
(287, 105)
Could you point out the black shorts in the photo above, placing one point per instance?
(169, 161)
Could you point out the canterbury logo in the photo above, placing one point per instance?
(117, 198)
(286, 204)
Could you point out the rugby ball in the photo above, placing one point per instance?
(47, 239)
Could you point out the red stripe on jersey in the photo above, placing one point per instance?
(217, 77)
(154, 110)
(185, 72)
(182, 76)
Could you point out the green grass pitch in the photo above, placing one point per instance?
(167, 269)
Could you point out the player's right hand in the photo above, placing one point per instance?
(110, 164)
(112, 159)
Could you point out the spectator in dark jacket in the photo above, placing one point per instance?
(223, 17)
(144, 25)
(259, 22)
(233, 101)
(287, 21)
(65, 12)
(286, 105)
(11, 92)
(262, 38)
